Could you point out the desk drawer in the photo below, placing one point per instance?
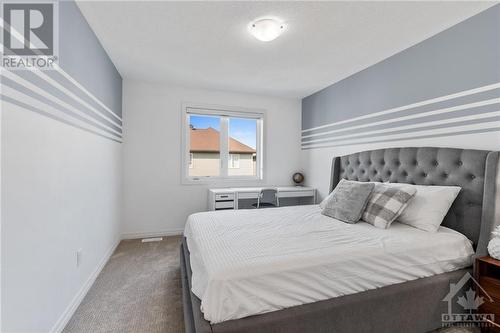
(224, 204)
(225, 196)
(296, 194)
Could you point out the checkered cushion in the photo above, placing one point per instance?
(386, 203)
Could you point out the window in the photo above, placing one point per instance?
(190, 160)
(204, 143)
(221, 143)
(234, 161)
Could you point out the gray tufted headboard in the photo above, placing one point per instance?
(472, 213)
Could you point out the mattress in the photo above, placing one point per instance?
(248, 262)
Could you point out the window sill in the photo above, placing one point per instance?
(221, 181)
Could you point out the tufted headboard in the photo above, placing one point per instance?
(472, 213)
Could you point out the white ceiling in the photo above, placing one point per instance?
(206, 44)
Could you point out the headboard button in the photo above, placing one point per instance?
(459, 163)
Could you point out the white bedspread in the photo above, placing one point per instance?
(247, 262)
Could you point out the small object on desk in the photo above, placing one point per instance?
(298, 178)
(488, 276)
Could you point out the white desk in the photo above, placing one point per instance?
(231, 198)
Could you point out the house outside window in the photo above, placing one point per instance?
(234, 161)
(221, 144)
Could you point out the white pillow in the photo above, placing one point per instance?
(429, 206)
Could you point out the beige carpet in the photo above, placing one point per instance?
(139, 291)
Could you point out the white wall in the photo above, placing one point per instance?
(155, 201)
(61, 191)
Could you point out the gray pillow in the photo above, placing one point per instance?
(347, 201)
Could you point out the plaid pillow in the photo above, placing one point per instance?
(386, 203)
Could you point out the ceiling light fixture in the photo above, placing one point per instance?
(266, 29)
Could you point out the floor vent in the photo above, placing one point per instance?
(154, 239)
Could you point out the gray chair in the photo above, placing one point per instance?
(268, 197)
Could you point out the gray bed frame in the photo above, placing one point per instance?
(414, 306)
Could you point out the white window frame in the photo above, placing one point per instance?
(224, 112)
(232, 164)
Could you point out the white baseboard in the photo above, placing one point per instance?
(75, 302)
(135, 235)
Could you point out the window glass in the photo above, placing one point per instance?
(204, 145)
(234, 161)
(242, 136)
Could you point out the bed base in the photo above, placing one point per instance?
(414, 306)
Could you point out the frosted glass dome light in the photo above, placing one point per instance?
(266, 29)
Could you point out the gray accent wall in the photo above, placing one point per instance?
(463, 57)
(85, 91)
(84, 58)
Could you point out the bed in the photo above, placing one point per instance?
(388, 304)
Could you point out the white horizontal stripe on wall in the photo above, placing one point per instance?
(64, 112)
(26, 84)
(90, 124)
(21, 99)
(410, 106)
(419, 125)
(413, 116)
(495, 125)
(478, 111)
(55, 84)
(88, 93)
(68, 77)
(7, 100)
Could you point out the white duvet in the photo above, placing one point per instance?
(247, 262)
